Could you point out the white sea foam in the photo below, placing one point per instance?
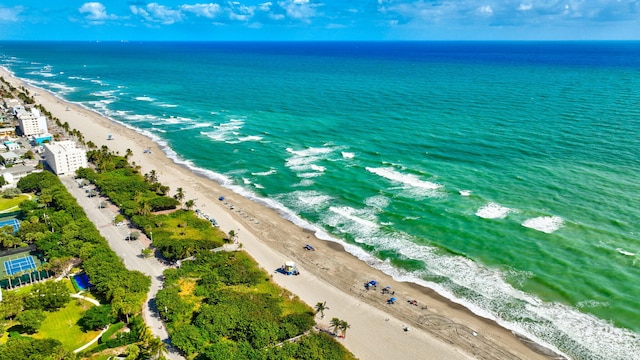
(194, 125)
(410, 182)
(250, 138)
(353, 217)
(624, 252)
(348, 155)
(60, 88)
(308, 175)
(546, 224)
(258, 186)
(264, 173)
(144, 98)
(104, 93)
(246, 181)
(303, 161)
(318, 168)
(493, 211)
(465, 192)
(167, 105)
(379, 202)
(225, 132)
(304, 182)
(307, 200)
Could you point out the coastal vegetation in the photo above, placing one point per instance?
(220, 305)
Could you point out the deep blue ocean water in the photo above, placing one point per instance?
(502, 174)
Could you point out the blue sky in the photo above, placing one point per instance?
(320, 20)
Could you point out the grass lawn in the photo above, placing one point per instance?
(8, 205)
(61, 325)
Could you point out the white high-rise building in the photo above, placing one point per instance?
(63, 157)
(32, 123)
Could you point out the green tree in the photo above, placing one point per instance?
(190, 204)
(31, 320)
(12, 304)
(49, 295)
(132, 352)
(154, 348)
(10, 193)
(7, 239)
(97, 318)
(320, 308)
(29, 348)
(28, 155)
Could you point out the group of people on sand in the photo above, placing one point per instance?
(387, 290)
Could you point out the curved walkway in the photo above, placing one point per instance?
(92, 341)
(93, 301)
(96, 303)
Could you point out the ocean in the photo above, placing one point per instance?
(504, 175)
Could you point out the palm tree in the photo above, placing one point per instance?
(190, 203)
(335, 324)
(320, 308)
(155, 347)
(128, 153)
(179, 195)
(343, 327)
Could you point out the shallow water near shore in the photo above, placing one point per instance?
(502, 175)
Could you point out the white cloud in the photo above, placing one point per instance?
(265, 6)
(10, 14)
(206, 10)
(485, 10)
(157, 13)
(299, 9)
(240, 12)
(96, 13)
(525, 7)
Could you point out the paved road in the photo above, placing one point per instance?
(130, 253)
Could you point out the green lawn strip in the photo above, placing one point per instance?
(7, 205)
(62, 325)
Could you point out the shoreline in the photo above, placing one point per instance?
(444, 326)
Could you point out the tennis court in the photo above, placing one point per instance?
(13, 222)
(18, 265)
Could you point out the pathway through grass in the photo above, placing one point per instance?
(62, 325)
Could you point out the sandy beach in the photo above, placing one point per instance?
(437, 327)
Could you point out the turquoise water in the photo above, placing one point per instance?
(503, 175)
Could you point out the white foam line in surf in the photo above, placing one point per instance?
(545, 224)
(264, 173)
(493, 211)
(405, 179)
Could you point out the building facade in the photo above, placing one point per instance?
(64, 157)
(32, 122)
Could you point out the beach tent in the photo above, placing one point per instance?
(391, 300)
(290, 268)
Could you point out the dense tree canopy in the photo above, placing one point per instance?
(49, 295)
(235, 312)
